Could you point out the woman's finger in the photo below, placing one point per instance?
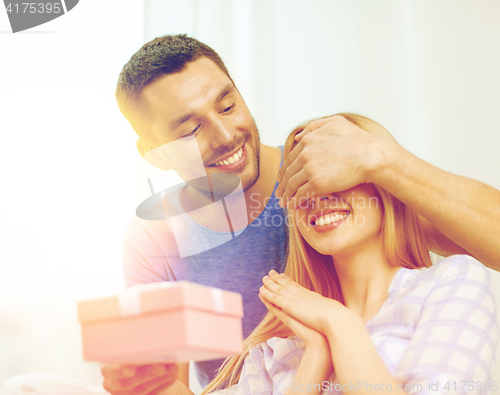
(271, 285)
(269, 296)
(280, 314)
(300, 329)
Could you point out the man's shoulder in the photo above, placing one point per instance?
(140, 230)
(275, 154)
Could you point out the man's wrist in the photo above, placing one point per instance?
(383, 157)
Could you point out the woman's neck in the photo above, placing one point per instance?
(365, 277)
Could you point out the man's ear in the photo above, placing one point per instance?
(143, 146)
(155, 156)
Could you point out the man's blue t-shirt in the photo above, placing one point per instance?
(238, 265)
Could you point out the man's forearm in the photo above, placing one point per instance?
(464, 210)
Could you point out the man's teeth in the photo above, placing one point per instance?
(231, 159)
(329, 218)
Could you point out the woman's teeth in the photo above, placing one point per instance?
(231, 159)
(329, 218)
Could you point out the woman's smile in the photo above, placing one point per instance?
(342, 221)
(326, 220)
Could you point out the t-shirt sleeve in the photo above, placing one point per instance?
(143, 255)
(452, 349)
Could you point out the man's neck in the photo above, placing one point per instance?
(258, 195)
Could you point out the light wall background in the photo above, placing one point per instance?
(67, 170)
(427, 70)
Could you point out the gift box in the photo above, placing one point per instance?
(162, 322)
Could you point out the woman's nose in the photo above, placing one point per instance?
(323, 201)
(309, 201)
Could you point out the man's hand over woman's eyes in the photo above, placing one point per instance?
(331, 155)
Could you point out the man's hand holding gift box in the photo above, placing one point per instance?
(140, 334)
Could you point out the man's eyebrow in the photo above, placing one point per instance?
(224, 92)
(179, 121)
(186, 117)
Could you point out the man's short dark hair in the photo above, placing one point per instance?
(157, 58)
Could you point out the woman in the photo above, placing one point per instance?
(361, 308)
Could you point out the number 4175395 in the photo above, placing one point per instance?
(34, 8)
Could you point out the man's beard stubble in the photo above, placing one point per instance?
(221, 184)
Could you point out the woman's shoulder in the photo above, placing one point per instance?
(457, 267)
(456, 273)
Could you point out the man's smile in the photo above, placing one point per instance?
(231, 161)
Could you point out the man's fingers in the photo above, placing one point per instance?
(304, 192)
(155, 386)
(146, 378)
(314, 125)
(289, 159)
(118, 371)
(292, 170)
(310, 127)
(294, 184)
(148, 388)
(293, 164)
(159, 390)
(151, 373)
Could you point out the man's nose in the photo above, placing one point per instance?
(221, 133)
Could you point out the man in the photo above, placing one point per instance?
(177, 88)
(171, 90)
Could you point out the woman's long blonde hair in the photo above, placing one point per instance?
(405, 245)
